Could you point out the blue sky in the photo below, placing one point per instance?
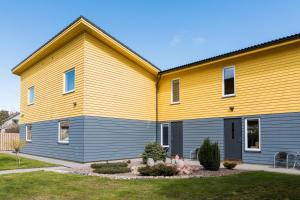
(168, 33)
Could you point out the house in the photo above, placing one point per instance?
(86, 97)
(12, 122)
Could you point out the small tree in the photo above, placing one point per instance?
(209, 155)
(154, 151)
(17, 145)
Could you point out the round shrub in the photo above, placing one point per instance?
(155, 151)
(118, 164)
(158, 170)
(111, 170)
(209, 155)
(229, 165)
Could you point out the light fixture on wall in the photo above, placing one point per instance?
(231, 108)
(74, 104)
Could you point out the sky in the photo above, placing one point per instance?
(168, 33)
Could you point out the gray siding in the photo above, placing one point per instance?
(44, 140)
(111, 138)
(279, 132)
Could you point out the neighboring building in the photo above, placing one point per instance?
(87, 97)
(12, 122)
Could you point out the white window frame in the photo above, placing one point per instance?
(65, 78)
(246, 135)
(175, 102)
(161, 134)
(28, 96)
(26, 131)
(223, 82)
(58, 139)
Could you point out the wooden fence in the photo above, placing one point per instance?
(6, 139)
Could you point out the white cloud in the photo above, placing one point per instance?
(198, 40)
(176, 39)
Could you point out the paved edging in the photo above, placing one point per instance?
(15, 171)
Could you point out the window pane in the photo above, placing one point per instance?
(175, 91)
(253, 134)
(64, 131)
(28, 132)
(31, 95)
(69, 82)
(229, 81)
(165, 135)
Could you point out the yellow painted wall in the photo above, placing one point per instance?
(114, 86)
(47, 78)
(266, 82)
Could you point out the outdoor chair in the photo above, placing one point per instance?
(281, 158)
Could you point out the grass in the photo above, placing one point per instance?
(8, 162)
(50, 185)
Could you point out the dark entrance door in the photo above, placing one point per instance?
(233, 139)
(176, 139)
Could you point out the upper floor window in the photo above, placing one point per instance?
(228, 81)
(31, 95)
(63, 131)
(28, 133)
(175, 86)
(69, 81)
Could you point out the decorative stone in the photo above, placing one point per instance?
(159, 162)
(150, 162)
(134, 170)
(179, 163)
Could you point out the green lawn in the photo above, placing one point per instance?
(8, 162)
(50, 185)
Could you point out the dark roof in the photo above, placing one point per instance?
(244, 50)
(82, 17)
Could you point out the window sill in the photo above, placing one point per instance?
(30, 104)
(228, 96)
(253, 150)
(28, 141)
(165, 146)
(71, 91)
(174, 103)
(63, 142)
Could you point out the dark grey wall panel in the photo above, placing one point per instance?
(44, 140)
(111, 138)
(195, 131)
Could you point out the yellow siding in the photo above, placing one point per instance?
(47, 78)
(267, 82)
(114, 86)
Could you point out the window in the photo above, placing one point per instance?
(69, 82)
(164, 135)
(175, 91)
(252, 137)
(228, 81)
(28, 133)
(31, 95)
(63, 131)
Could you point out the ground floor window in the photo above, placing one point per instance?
(63, 131)
(165, 135)
(252, 135)
(29, 133)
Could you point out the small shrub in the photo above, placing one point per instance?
(158, 170)
(209, 155)
(229, 165)
(17, 145)
(111, 170)
(155, 151)
(128, 161)
(100, 165)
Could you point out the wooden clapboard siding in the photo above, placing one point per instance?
(47, 77)
(266, 82)
(115, 86)
(6, 140)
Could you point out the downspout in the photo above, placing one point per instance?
(156, 106)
